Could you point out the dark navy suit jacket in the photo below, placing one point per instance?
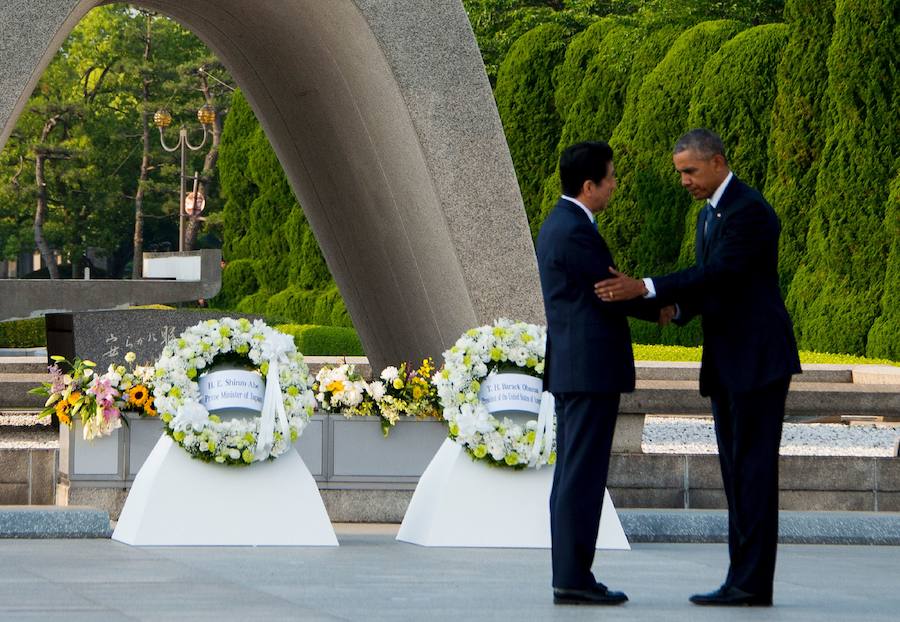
(588, 340)
(748, 339)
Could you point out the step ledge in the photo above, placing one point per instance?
(51, 521)
(710, 526)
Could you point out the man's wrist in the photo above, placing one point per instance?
(649, 288)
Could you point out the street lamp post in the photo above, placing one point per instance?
(207, 116)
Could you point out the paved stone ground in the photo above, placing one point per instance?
(372, 577)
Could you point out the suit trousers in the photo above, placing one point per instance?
(585, 423)
(748, 432)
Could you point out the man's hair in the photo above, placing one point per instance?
(703, 142)
(583, 161)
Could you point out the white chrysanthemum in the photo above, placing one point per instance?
(389, 374)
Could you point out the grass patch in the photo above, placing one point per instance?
(643, 352)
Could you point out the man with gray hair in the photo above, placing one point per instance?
(749, 352)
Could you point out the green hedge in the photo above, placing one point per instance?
(275, 266)
(238, 281)
(884, 338)
(255, 303)
(837, 292)
(617, 228)
(797, 136)
(30, 333)
(734, 98)
(314, 340)
(568, 75)
(600, 89)
(239, 135)
(525, 101)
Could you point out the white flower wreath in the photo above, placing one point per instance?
(238, 441)
(505, 346)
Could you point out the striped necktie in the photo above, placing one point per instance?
(707, 219)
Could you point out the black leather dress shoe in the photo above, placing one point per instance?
(731, 597)
(598, 595)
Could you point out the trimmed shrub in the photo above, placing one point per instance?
(238, 281)
(837, 291)
(568, 75)
(293, 304)
(797, 136)
(254, 304)
(330, 309)
(734, 98)
(525, 101)
(598, 106)
(600, 97)
(30, 333)
(884, 338)
(269, 244)
(315, 340)
(239, 135)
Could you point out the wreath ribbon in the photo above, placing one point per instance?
(272, 412)
(544, 434)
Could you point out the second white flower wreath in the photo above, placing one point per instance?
(288, 404)
(504, 347)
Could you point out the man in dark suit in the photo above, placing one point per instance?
(749, 352)
(589, 363)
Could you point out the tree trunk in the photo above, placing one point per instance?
(137, 262)
(40, 214)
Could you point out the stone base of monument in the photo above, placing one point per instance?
(176, 500)
(459, 502)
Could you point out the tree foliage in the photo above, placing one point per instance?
(93, 90)
(273, 264)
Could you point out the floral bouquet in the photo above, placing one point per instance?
(342, 389)
(407, 392)
(135, 386)
(81, 393)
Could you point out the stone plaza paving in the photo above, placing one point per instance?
(373, 577)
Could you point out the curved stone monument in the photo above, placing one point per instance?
(383, 119)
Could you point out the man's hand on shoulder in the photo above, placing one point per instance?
(620, 287)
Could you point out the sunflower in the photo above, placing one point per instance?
(138, 395)
(74, 396)
(62, 414)
(148, 407)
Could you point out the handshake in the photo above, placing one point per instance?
(623, 287)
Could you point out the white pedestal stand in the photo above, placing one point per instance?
(176, 500)
(461, 503)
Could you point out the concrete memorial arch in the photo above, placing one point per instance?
(383, 119)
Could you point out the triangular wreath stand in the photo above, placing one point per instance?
(176, 500)
(462, 503)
